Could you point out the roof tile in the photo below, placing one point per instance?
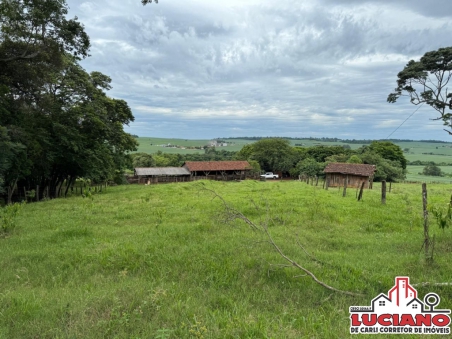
(217, 165)
(355, 169)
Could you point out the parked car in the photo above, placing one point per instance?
(270, 175)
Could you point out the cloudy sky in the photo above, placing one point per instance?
(226, 68)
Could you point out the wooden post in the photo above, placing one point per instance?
(327, 183)
(360, 195)
(390, 185)
(344, 193)
(426, 233)
(383, 192)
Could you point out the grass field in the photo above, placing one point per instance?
(161, 262)
(413, 174)
(153, 145)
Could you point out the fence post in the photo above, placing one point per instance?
(390, 185)
(426, 233)
(327, 183)
(360, 195)
(344, 193)
(383, 192)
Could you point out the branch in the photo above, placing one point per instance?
(231, 212)
(295, 264)
(234, 214)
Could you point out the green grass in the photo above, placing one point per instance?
(413, 175)
(153, 145)
(159, 261)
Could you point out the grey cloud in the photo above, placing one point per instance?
(437, 8)
(276, 70)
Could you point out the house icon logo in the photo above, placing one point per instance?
(400, 312)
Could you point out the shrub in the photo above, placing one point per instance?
(8, 216)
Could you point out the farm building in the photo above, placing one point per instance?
(355, 174)
(218, 170)
(161, 174)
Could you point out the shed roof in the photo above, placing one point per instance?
(194, 166)
(161, 171)
(354, 169)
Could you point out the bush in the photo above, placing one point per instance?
(432, 170)
(8, 216)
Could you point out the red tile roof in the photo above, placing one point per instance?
(194, 166)
(354, 169)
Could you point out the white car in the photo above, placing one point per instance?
(270, 175)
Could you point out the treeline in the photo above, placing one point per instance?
(56, 121)
(277, 155)
(347, 141)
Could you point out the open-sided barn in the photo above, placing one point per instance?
(161, 174)
(355, 174)
(218, 170)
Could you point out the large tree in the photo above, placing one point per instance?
(56, 121)
(427, 82)
(273, 154)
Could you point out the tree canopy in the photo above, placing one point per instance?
(57, 122)
(427, 81)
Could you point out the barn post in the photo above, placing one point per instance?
(344, 193)
(383, 192)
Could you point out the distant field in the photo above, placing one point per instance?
(153, 145)
(413, 174)
(440, 152)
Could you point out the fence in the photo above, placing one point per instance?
(37, 194)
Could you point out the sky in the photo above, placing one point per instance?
(201, 69)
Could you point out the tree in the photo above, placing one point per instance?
(142, 160)
(388, 170)
(426, 81)
(56, 121)
(273, 154)
(354, 159)
(145, 2)
(309, 167)
(433, 170)
(389, 151)
(320, 153)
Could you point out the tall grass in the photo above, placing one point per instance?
(160, 261)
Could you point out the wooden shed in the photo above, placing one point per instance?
(355, 174)
(148, 175)
(218, 170)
